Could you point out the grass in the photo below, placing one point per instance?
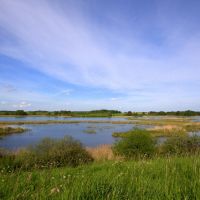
(161, 122)
(4, 130)
(160, 178)
(63, 122)
(180, 123)
(102, 152)
(192, 127)
(90, 131)
(153, 132)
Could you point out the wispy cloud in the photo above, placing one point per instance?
(64, 42)
(65, 92)
(22, 104)
(8, 88)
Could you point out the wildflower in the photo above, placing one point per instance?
(55, 190)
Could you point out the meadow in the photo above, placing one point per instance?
(160, 178)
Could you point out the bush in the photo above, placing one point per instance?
(138, 144)
(181, 145)
(51, 153)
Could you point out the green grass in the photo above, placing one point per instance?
(153, 133)
(160, 178)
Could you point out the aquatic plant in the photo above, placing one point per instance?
(90, 131)
(181, 145)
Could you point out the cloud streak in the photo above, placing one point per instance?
(69, 45)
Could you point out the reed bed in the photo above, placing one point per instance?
(102, 152)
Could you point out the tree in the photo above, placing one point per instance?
(20, 112)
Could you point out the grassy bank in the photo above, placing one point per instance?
(10, 130)
(133, 168)
(155, 132)
(161, 178)
(64, 122)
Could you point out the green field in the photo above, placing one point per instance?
(160, 178)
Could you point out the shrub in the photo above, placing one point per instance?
(51, 153)
(181, 145)
(137, 144)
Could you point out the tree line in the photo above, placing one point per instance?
(99, 113)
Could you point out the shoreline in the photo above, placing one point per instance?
(65, 122)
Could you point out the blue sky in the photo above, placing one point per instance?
(93, 54)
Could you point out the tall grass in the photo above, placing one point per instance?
(173, 178)
(102, 153)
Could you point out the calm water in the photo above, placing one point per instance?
(197, 133)
(35, 133)
(45, 118)
(196, 119)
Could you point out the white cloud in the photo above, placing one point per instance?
(66, 92)
(114, 99)
(22, 104)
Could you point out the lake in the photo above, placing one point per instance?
(37, 132)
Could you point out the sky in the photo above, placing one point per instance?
(137, 55)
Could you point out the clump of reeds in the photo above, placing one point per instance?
(102, 152)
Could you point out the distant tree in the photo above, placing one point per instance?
(129, 113)
(161, 113)
(135, 114)
(20, 112)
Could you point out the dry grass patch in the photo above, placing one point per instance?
(102, 152)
